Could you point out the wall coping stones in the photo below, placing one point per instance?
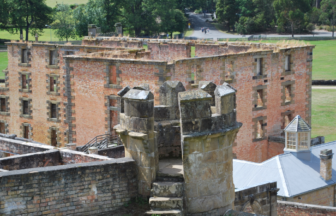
(194, 95)
(36, 145)
(84, 154)
(135, 94)
(66, 167)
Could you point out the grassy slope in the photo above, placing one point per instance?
(3, 63)
(323, 114)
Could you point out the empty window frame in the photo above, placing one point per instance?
(303, 141)
(2, 128)
(53, 111)
(291, 140)
(24, 81)
(3, 107)
(52, 57)
(260, 130)
(25, 107)
(52, 84)
(53, 137)
(259, 66)
(24, 56)
(26, 131)
(288, 92)
(260, 102)
(288, 63)
(288, 119)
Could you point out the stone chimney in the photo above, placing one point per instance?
(326, 164)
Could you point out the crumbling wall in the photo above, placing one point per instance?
(86, 189)
(206, 49)
(19, 147)
(40, 159)
(75, 157)
(293, 208)
(169, 51)
(113, 152)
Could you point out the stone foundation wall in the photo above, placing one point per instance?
(113, 152)
(103, 187)
(302, 209)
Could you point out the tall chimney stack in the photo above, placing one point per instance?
(326, 164)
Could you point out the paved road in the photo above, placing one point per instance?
(198, 21)
(324, 87)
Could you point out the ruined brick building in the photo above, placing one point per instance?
(59, 94)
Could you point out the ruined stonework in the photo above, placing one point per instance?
(84, 80)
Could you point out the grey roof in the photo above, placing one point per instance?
(298, 125)
(123, 91)
(293, 176)
(206, 85)
(224, 89)
(136, 94)
(194, 95)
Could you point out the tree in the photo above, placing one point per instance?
(26, 14)
(226, 11)
(292, 12)
(329, 13)
(4, 13)
(64, 23)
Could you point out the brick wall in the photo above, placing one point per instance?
(41, 159)
(301, 209)
(18, 147)
(169, 51)
(103, 187)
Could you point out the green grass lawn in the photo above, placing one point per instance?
(323, 114)
(52, 3)
(3, 63)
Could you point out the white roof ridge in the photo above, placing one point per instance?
(282, 176)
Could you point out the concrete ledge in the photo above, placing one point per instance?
(306, 206)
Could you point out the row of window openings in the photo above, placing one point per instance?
(260, 96)
(261, 125)
(25, 84)
(52, 56)
(260, 69)
(53, 109)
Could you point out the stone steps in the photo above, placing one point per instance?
(167, 199)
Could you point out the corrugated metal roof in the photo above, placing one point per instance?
(298, 125)
(293, 176)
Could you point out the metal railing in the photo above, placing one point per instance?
(101, 142)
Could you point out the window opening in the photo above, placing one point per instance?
(24, 78)
(260, 130)
(287, 63)
(291, 140)
(2, 128)
(53, 137)
(26, 132)
(259, 66)
(52, 57)
(3, 105)
(303, 141)
(288, 119)
(24, 57)
(53, 113)
(52, 84)
(288, 93)
(113, 74)
(260, 98)
(25, 109)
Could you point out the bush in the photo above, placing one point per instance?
(198, 11)
(310, 27)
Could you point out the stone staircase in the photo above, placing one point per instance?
(167, 198)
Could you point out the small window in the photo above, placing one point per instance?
(291, 140)
(2, 128)
(52, 57)
(288, 119)
(24, 80)
(260, 102)
(26, 131)
(24, 56)
(3, 105)
(260, 130)
(303, 141)
(288, 93)
(25, 107)
(53, 137)
(113, 75)
(287, 63)
(259, 66)
(53, 111)
(52, 84)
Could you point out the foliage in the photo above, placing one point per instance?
(226, 11)
(4, 13)
(64, 23)
(26, 14)
(292, 15)
(328, 15)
